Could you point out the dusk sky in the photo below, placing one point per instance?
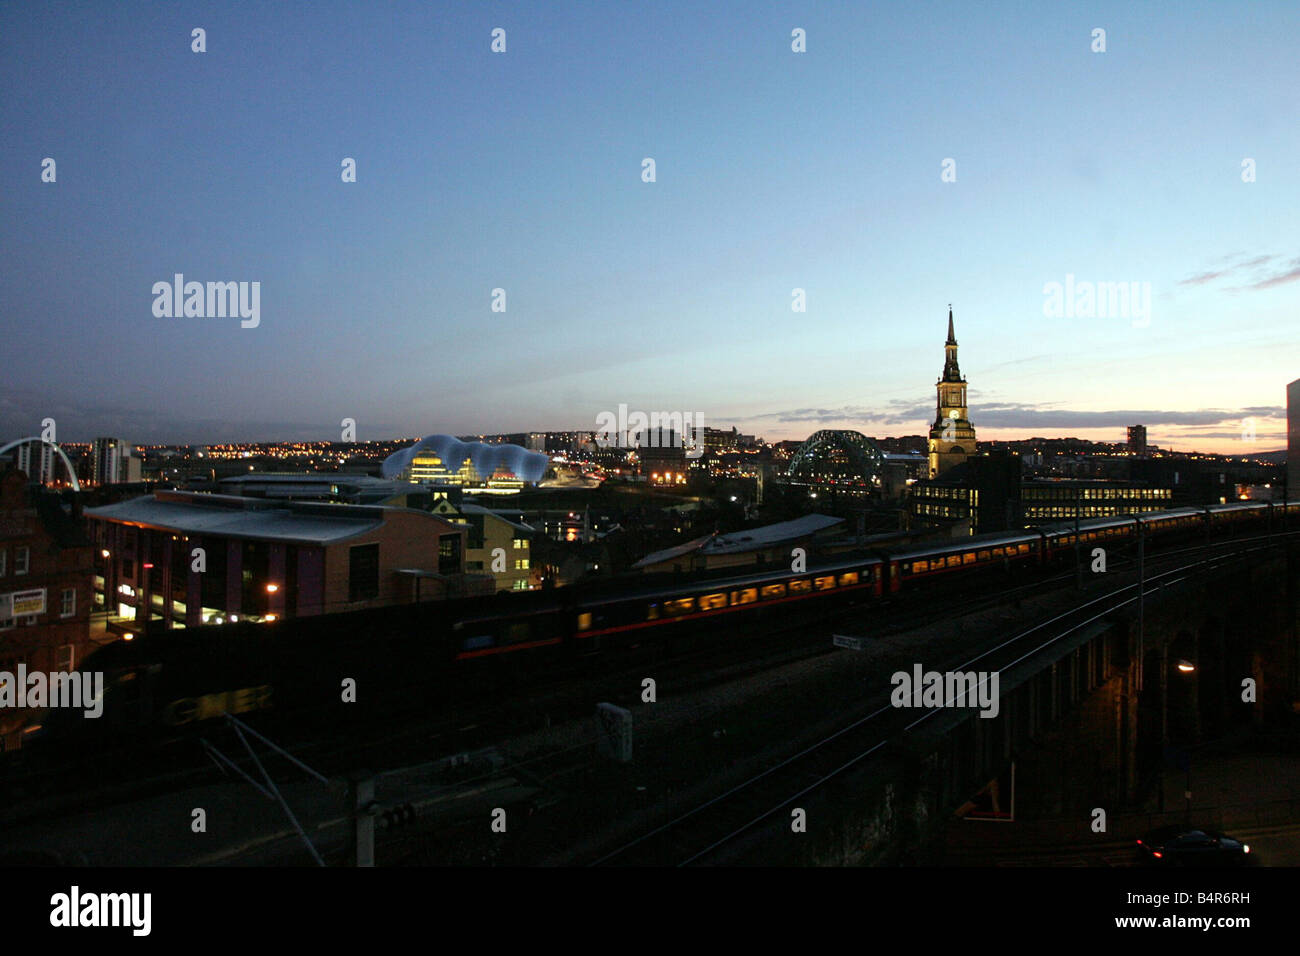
(775, 170)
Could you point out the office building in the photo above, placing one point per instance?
(181, 559)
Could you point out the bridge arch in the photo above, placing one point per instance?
(72, 472)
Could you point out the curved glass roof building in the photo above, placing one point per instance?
(838, 458)
(446, 460)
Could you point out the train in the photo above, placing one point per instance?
(398, 659)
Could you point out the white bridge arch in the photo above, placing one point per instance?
(72, 472)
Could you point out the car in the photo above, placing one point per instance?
(1188, 845)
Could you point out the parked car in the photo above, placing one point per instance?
(1187, 845)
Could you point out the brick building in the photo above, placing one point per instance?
(45, 584)
(182, 559)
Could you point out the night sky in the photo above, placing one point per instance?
(523, 171)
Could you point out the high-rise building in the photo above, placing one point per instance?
(952, 437)
(107, 460)
(36, 461)
(1293, 440)
(1137, 441)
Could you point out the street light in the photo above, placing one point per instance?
(1183, 666)
(272, 588)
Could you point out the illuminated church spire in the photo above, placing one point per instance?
(952, 437)
(951, 373)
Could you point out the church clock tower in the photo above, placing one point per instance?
(952, 437)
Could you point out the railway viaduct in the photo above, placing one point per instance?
(1087, 722)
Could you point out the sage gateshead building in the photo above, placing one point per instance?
(476, 467)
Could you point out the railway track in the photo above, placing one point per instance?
(707, 830)
(468, 722)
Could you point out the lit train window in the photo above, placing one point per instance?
(710, 601)
(826, 583)
(954, 560)
(968, 557)
(1023, 549)
(773, 591)
(680, 606)
(984, 555)
(747, 596)
(848, 578)
(919, 567)
(652, 612)
(800, 586)
(584, 621)
(999, 553)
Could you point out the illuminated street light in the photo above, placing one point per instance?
(272, 588)
(1186, 667)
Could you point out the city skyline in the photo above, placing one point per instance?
(488, 435)
(822, 171)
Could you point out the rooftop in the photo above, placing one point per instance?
(254, 518)
(751, 539)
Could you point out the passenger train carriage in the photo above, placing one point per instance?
(294, 664)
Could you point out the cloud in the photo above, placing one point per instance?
(1261, 437)
(1011, 415)
(1027, 415)
(1282, 278)
(1275, 275)
(1204, 277)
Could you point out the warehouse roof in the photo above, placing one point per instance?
(257, 518)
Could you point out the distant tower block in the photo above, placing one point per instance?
(952, 437)
(1137, 441)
